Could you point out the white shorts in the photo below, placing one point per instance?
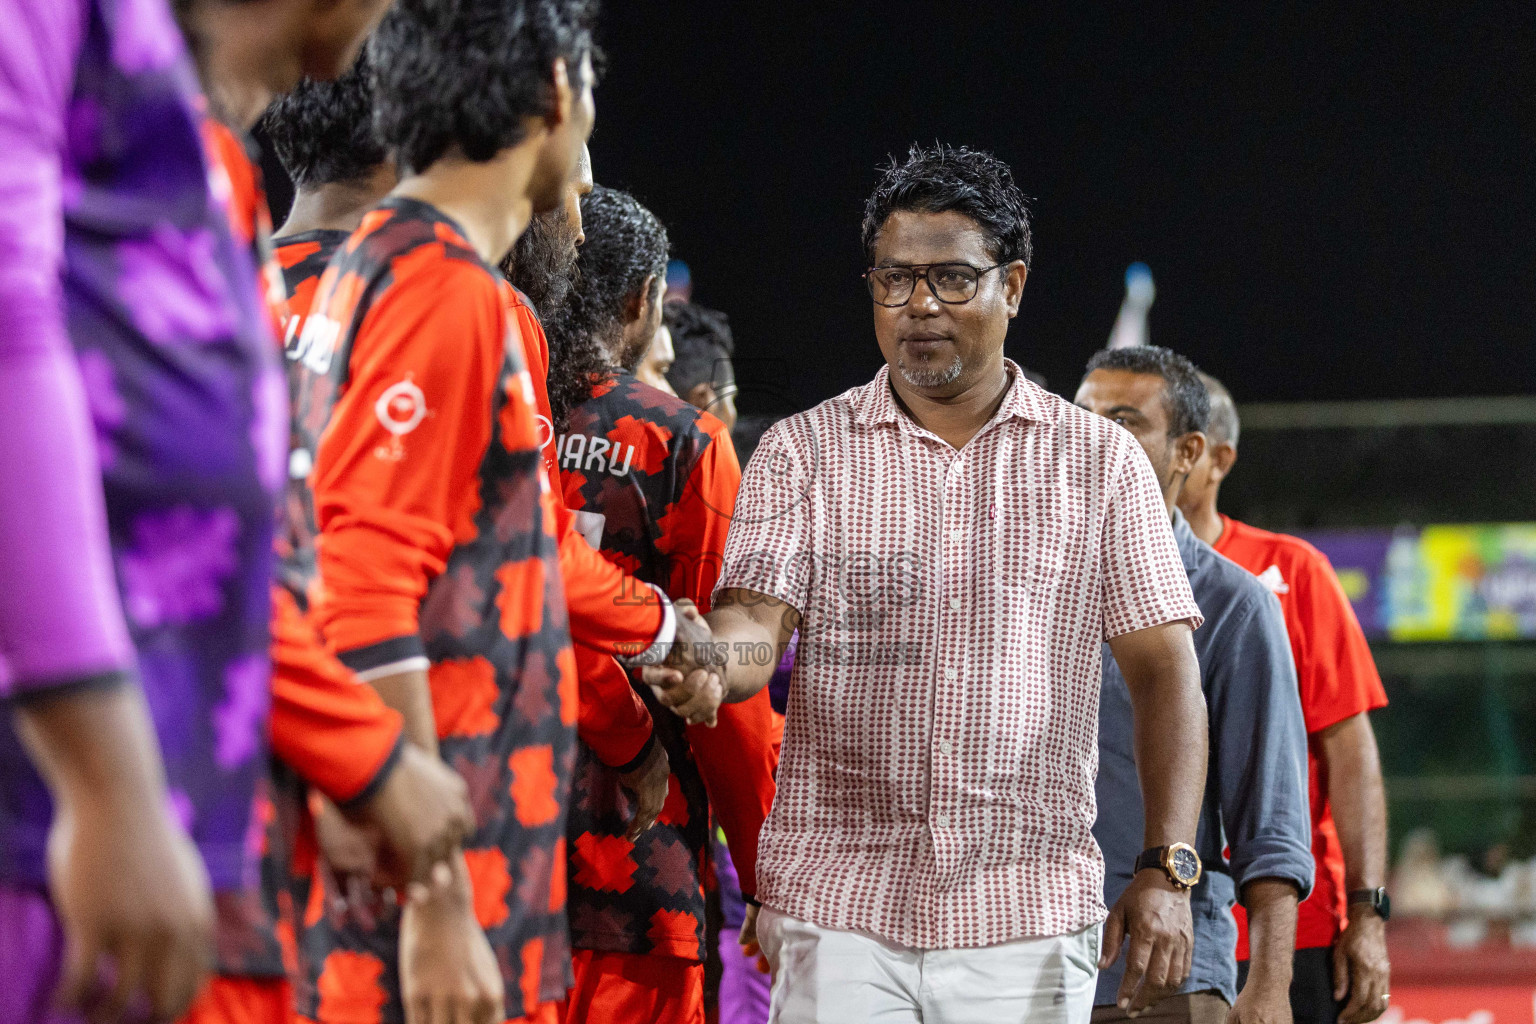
(830, 976)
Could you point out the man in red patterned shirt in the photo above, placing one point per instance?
(955, 545)
(1341, 970)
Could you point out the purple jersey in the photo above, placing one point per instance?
(138, 368)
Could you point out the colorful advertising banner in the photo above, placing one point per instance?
(1450, 582)
(1461, 1004)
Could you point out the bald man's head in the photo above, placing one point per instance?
(1224, 426)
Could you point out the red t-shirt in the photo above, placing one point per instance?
(1338, 680)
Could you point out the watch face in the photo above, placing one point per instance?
(1186, 865)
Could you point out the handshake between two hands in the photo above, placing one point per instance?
(691, 682)
(406, 833)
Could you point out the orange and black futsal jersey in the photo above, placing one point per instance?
(610, 612)
(303, 259)
(337, 735)
(437, 550)
(663, 478)
(608, 609)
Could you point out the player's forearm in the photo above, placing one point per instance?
(1271, 905)
(1359, 800)
(95, 748)
(409, 693)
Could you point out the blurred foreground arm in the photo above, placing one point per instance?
(126, 882)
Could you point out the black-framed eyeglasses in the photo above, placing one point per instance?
(950, 283)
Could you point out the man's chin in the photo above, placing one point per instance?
(925, 376)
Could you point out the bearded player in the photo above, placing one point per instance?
(656, 481)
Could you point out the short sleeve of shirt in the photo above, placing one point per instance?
(1337, 674)
(1144, 579)
(769, 545)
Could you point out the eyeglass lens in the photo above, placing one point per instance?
(949, 282)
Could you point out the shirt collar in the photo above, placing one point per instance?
(875, 404)
(1189, 544)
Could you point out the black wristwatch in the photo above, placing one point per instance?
(1178, 861)
(1377, 899)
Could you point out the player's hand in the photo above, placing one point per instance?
(422, 814)
(748, 939)
(693, 645)
(448, 972)
(130, 888)
(1260, 1003)
(1361, 969)
(648, 784)
(349, 863)
(1155, 917)
(694, 695)
(689, 682)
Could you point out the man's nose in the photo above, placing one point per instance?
(923, 302)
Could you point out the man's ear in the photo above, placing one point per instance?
(1187, 451)
(1013, 286)
(701, 395)
(565, 95)
(639, 304)
(1223, 458)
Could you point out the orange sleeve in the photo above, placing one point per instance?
(693, 530)
(1336, 672)
(396, 471)
(610, 612)
(611, 717)
(737, 758)
(333, 730)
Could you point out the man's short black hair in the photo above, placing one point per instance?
(702, 343)
(323, 131)
(625, 244)
(1184, 397)
(1224, 426)
(938, 178)
(466, 73)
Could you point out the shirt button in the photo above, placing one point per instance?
(951, 674)
(955, 535)
(946, 747)
(954, 603)
(942, 821)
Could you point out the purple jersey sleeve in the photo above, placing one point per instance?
(60, 616)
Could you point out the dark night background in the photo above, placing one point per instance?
(1335, 203)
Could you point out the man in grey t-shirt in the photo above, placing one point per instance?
(1256, 789)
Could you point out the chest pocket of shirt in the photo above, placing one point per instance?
(1034, 543)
